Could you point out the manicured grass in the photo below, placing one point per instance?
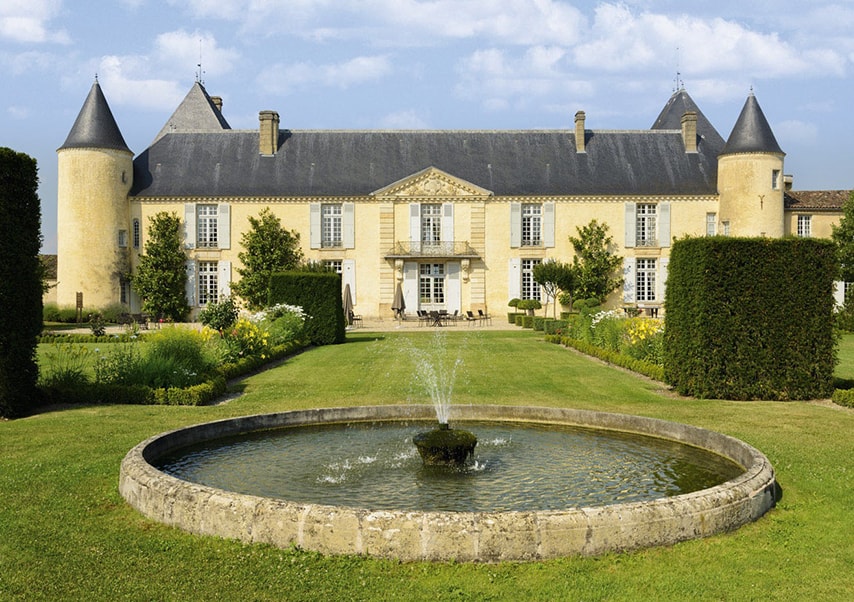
(68, 535)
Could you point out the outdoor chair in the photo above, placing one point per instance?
(485, 317)
(470, 318)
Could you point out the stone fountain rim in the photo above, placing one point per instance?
(461, 536)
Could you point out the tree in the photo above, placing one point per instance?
(554, 277)
(842, 235)
(595, 265)
(268, 248)
(20, 282)
(161, 279)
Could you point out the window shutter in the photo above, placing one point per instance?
(410, 285)
(348, 276)
(190, 226)
(663, 224)
(548, 225)
(452, 287)
(223, 279)
(514, 279)
(191, 282)
(223, 224)
(447, 222)
(839, 293)
(516, 225)
(348, 225)
(314, 225)
(415, 222)
(661, 278)
(631, 225)
(629, 280)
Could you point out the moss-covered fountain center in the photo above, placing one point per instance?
(412, 534)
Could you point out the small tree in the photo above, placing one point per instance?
(595, 265)
(20, 282)
(268, 248)
(554, 277)
(842, 235)
(161, 279)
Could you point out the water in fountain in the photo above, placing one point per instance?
(435, 373)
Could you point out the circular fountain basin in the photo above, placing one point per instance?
(436, 535)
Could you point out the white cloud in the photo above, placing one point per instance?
(122, 89)
(284, 78)
(27, 21)
(798, 132)
(18, 113)
(182, 50)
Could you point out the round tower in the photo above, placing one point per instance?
(95, 175)
(750, 177)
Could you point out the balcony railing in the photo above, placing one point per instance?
(417, 248)
(647, 242)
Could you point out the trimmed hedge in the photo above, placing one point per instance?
(553, 326)
(844, 397)
(319, 295)
(653, 371)
(750, 318)
(51, 338)
(538, 323)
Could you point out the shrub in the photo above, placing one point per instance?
(97, 325)
(246, 339)
(219, 316)
(527, 321)
(529, 305)
(538, 323)
(514, 302)
(186, 349)
(319, 294)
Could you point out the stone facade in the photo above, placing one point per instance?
(457, 218)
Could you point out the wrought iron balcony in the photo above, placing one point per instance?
(408, 249)
(647, 242)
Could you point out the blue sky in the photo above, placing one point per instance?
(434, 64)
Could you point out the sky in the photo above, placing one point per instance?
(431, 64)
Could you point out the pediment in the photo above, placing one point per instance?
(432, 183)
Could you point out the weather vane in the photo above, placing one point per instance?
(200, 73)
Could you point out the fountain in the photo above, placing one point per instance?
(442, 446)
(423, 526)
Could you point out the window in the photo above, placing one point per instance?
(532, 225)
(725, 228)
(336, 265)
(431, 283)
(646, 221)
(208, 287)
(711, 224)
(123, 238)
(646, 279)
(135, 233)
(804, 226)
(206, 226)
(331, 225)
(530, 288)
(775, 179)
(431, 223)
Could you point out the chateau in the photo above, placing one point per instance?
(458, 218)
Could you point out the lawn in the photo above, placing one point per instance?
(68, 535)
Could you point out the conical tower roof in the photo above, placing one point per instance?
(751, 133)
(95, 126)
(680, 103)
(196, 114)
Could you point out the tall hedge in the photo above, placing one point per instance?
(750, 318)
(20, 282)
(319, 295)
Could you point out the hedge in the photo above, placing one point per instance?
(750, 318)
(319, 295)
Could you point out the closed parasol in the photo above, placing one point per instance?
(348, 305)
(398, 305)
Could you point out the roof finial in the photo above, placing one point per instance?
(678, 83)
(200, 73)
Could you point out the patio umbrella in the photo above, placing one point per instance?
(348, 305)
(398, 305)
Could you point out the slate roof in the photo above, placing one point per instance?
(751, 132)
(202, 157)
(95, 126)
(815, 200)
(196, 113)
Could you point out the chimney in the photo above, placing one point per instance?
(579, 132)
(217, 101)
(689, 131)
(269, 133)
